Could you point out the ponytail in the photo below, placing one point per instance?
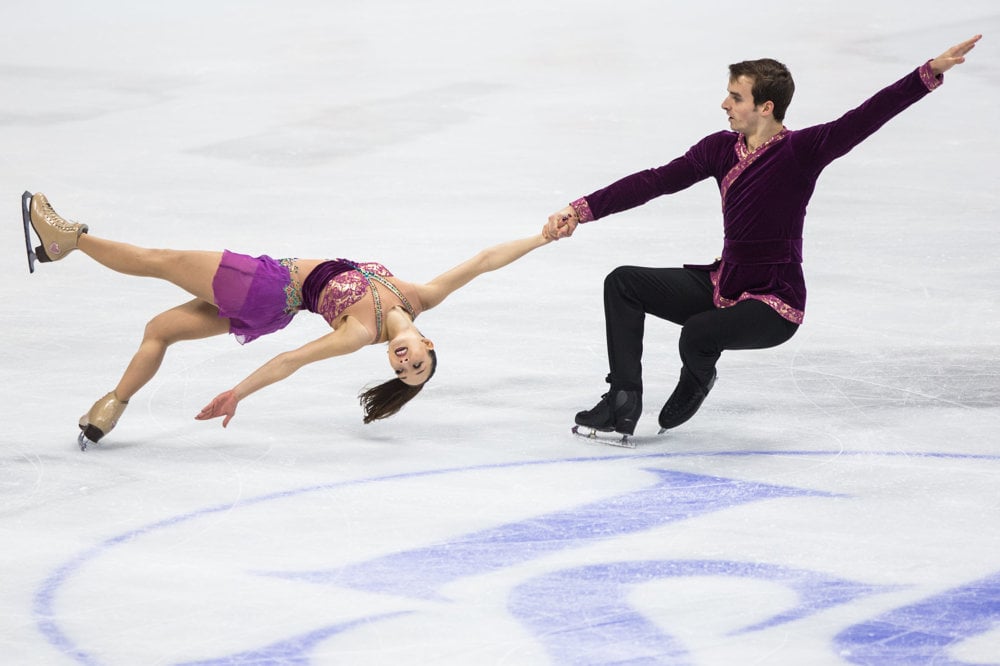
(384, 400)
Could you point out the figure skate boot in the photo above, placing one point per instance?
(685, 400)
(58, 236)
(100, 420)
(617, 411)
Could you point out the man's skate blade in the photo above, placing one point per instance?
(26, 215)
(605, 437)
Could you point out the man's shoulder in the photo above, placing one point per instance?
(713, 146)
(722, 138)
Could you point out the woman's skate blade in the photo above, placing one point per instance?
(604, 437)
(83, 441)
(89, 436)
(26, 214)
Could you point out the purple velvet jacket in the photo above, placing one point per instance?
(764, 194)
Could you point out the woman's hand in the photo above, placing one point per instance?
(224, 404)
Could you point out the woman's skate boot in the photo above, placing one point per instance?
(58, 236)
(100, 420)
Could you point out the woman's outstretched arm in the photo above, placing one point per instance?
(349, 337)
(490, 259)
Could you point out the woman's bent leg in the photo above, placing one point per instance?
(194, 320)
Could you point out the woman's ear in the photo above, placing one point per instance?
(427, 343)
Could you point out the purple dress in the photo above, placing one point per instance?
(259, 296)
(256, 294)
(764, 194)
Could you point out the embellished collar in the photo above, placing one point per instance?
(743, 151)
(744, 158)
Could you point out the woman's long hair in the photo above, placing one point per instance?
(387, 398)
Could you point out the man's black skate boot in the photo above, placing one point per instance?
(618, 410)
(685, 400)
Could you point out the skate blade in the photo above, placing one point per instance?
(26, 214)
(610, 438)
(89, 436)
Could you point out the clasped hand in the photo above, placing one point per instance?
(561, 224)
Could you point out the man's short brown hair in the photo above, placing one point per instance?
(771, 81)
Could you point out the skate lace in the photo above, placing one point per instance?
(56, 220)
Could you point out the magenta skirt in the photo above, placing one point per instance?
(252, 292)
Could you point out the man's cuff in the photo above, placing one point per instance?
(927, 76)
(582, 209)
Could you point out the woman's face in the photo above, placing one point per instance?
(409, 358)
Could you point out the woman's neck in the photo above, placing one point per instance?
(397, 322)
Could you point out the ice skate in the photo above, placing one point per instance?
(605, 437)
(618, 411)
(100, 420)
(684, 401)
(57, 236)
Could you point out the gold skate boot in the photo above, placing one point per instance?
(100, 420)
(58, 236)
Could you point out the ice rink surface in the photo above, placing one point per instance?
(836, 501)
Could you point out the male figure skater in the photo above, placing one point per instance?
(754, 295)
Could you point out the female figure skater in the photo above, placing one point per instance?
(249, 297)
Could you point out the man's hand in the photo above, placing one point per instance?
(953, 56)
(224, 404)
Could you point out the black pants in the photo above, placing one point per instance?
(683, 296)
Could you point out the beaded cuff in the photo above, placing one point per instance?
(927, 76)
(582, 209)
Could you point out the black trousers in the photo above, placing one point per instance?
(683, 296)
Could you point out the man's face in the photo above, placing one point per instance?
(739, 106)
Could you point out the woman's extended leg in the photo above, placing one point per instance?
(191, 270)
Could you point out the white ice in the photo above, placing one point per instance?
(836, 501)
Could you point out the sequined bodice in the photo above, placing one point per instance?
(346, 289)
(342, 283)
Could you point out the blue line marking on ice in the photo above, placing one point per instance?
(292, 651)
(491, 548)
(675, 496)
(923, 632)
(582, 615)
